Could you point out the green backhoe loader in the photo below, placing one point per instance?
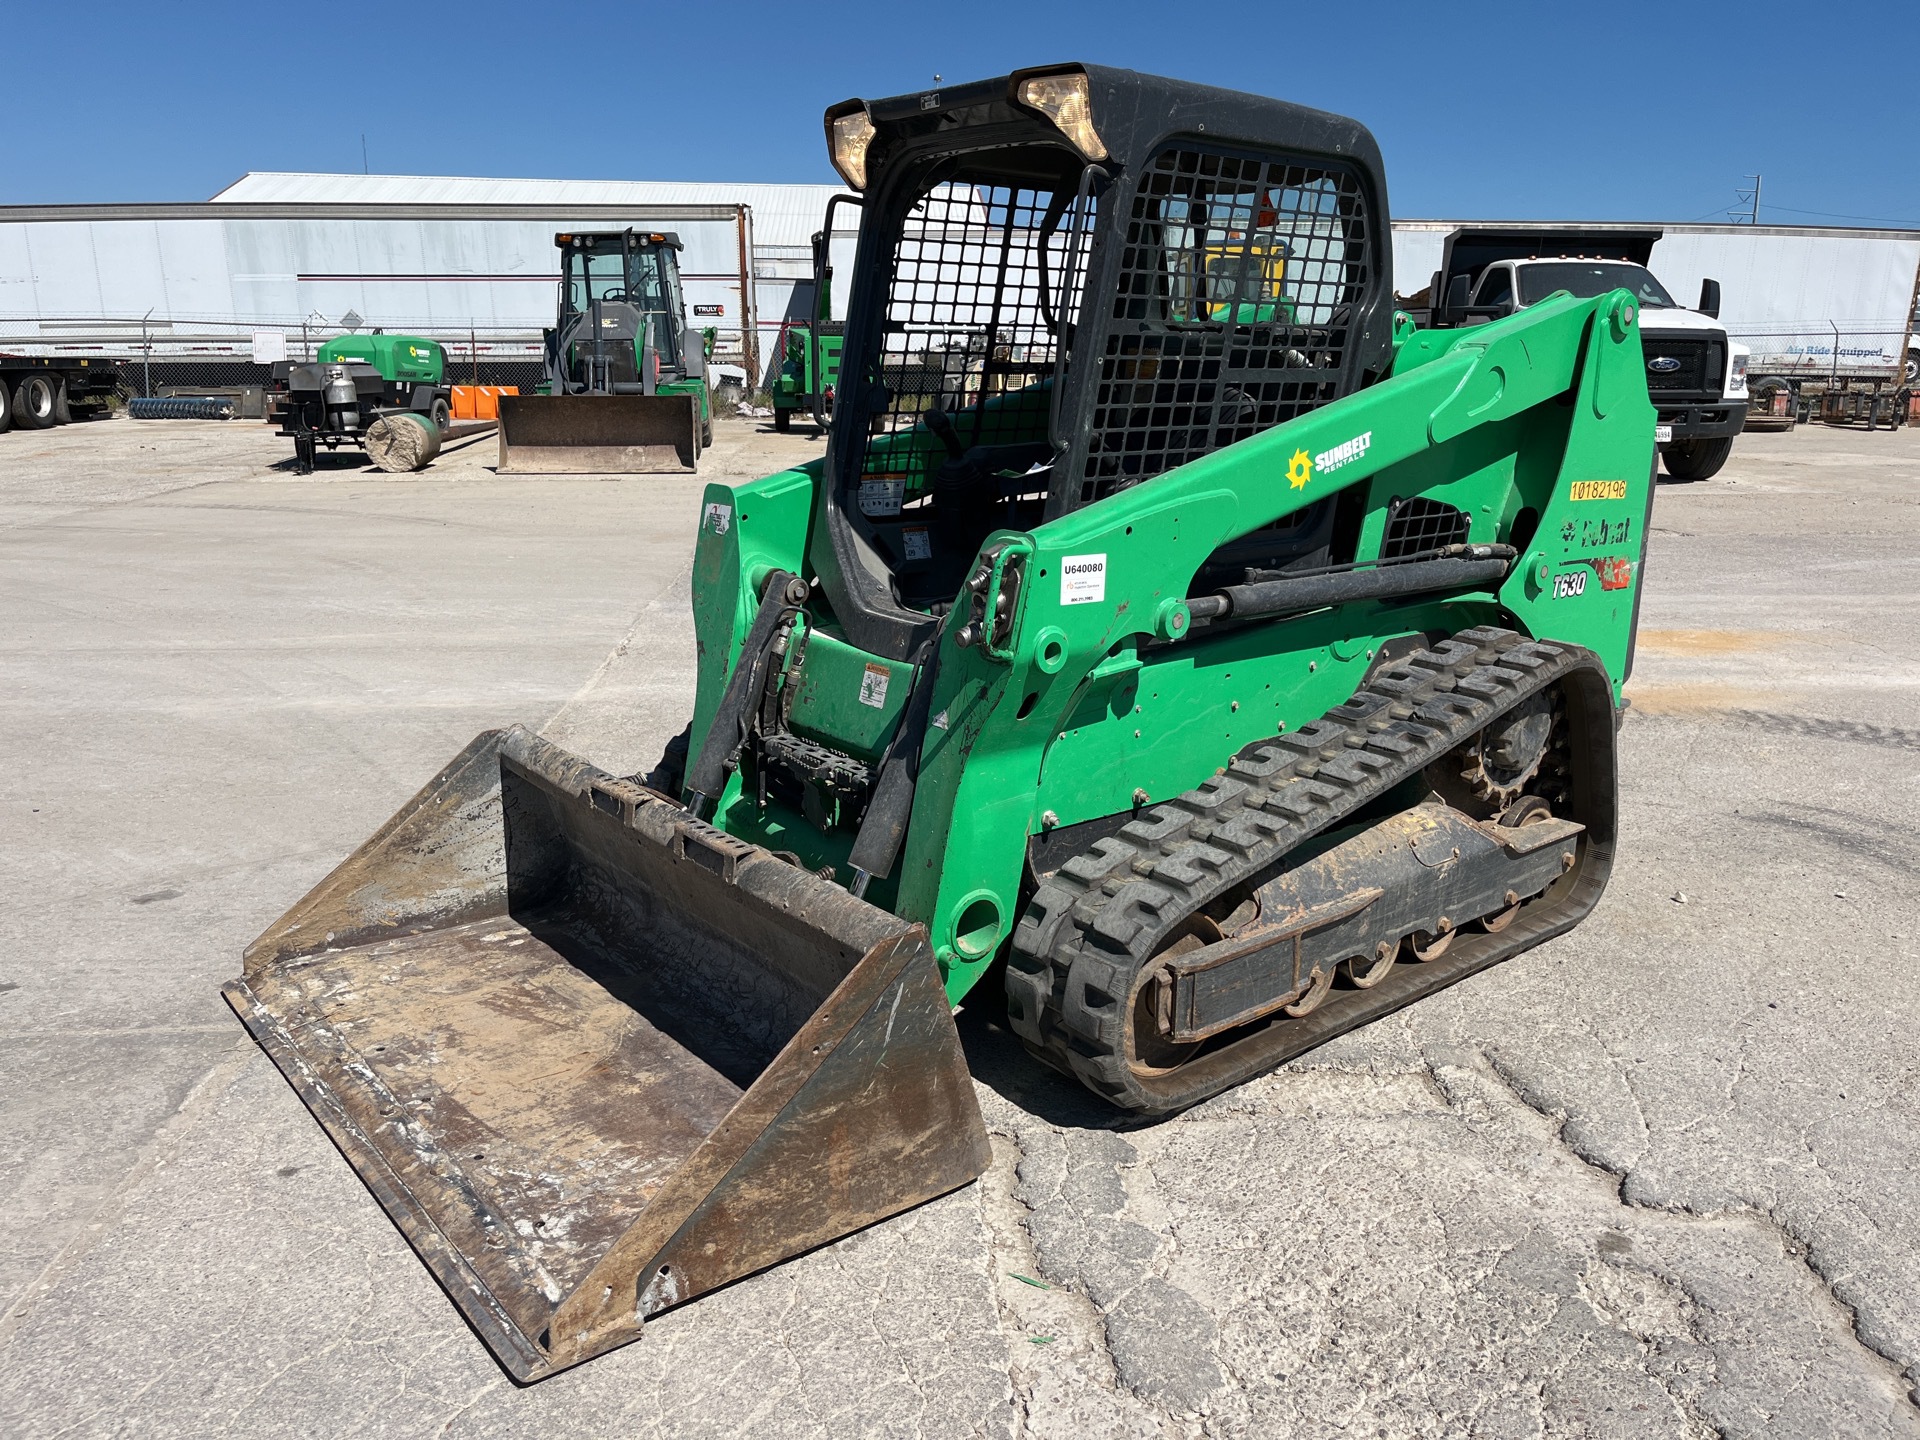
(1208, 674)
(626, 376)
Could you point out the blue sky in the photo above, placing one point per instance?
(1617, 111)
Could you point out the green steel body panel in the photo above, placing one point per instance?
(846, 697)
(1537, 426)
(696, 387)
(809, 367)
(403, 358)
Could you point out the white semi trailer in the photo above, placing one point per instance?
(1826, 313)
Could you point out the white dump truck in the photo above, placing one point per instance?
(1696, 372)
(1825, 312)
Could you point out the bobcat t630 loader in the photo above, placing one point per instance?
(1194, 651)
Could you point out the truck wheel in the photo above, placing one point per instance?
(6, 407)
(1696, 459)
(442, 413)
(34, 402)
(1913, 367)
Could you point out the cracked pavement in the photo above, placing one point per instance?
(1656, 1177)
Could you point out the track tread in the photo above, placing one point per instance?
(1089, 926)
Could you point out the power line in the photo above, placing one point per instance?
(1833, 215)
(1751, 209)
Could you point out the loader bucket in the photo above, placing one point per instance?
(599, 434)
(596, 1057)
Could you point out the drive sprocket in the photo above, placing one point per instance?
(1494, 769)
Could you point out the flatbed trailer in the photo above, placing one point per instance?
(38, 392)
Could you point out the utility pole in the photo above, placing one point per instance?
(1751, 198)
(363, 154)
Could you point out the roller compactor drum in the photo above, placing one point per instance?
(1172, 637)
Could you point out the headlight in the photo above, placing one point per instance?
(852, 134)
(1737, 374)
(1067, 102)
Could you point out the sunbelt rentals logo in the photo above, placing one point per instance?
(1302, 466)
(1345, 453)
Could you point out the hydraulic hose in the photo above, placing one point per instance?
(884, 826)
(720, 750)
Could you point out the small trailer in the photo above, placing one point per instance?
(353, 387)
(38, 392)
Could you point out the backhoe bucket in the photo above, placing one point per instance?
(595, 1057)
(599, 434)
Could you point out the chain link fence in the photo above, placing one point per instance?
(133, 376)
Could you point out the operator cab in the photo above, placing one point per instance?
(621, 288)
(1060, 293)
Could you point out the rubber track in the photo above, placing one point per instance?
(1083, 937)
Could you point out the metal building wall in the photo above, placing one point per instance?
(205, 278)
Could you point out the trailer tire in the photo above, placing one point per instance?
(35, 402)
(1913, 368)
(6, 406)
(782, 420)
(1696, 459)
(442, 412)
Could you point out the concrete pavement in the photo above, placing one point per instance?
(1655, 1178)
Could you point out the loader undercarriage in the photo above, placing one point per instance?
(1202, 943)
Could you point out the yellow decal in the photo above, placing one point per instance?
(1599, 490)
(1299, 469)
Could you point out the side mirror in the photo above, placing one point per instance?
(1458, 289)
(1709, 298)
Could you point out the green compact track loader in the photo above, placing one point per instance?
(626, 377)
(1206, 673)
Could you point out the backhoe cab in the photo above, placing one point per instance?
(626, 376)
(1170, 632)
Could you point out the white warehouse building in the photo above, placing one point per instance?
(468, 261)
(283, 261)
